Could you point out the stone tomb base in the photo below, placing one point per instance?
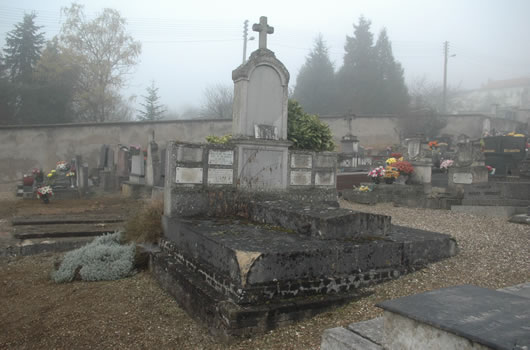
(239, 278)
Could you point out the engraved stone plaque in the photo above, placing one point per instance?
(220, 176)
(188, 175)
(322, 161)
(189, 154)
(463, 178)
(324, 178)
(301, 161)
(218, 157)
(267, 132)
(300, 178)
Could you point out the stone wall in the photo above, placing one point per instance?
(27, 147)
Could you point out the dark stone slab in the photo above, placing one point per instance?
(63, 230)
(65, 219)
(322, 222)
(491, 318)
(252, 262)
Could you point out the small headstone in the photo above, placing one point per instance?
(122, 166)
(138, 165)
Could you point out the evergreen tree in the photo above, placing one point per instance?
(392, 94)
(22, 52)
(23, 48)
(315, 83)
(357, 78)
(153, 110)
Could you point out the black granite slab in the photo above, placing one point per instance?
(488, 317)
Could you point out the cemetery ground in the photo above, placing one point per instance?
(134, 313)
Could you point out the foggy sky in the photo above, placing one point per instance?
(189, 45)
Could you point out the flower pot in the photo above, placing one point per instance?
(376, 180)
(389, 180)
(45, 199)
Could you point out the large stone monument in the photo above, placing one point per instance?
(254, 237)
(259, 124)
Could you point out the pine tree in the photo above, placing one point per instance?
(393, 95)
(358, 76)
(153, 110)
(315, 83)
(23, 48)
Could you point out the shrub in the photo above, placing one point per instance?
(220, 140)
(146, 225)
(104, 259)
(307, 131)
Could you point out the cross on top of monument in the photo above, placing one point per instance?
(263, 28)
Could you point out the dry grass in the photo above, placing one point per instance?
(146, 225)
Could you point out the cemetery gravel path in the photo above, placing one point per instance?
(134, 313)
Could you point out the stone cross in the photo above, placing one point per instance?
(263, 28)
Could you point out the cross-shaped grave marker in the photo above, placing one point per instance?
(263, 28)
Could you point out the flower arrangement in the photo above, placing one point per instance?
(364, 189)
(491, 170)
(404, 167)
(446, 164)
(391, 173)
(433, 144)
(44, 193)
(377, 174)
(513, 134)
(62, 166)
(70, 173)
(391, 161)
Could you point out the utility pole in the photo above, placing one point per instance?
(245, 35)
(444, 98)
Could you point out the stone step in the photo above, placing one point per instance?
(498, 211)
(62, 219)
(44, 245)
(496, 202)
(63, 230)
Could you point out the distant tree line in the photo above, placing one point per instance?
(370, 80)
(74, 77)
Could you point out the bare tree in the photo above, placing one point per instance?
(428, 94)
(218, 102)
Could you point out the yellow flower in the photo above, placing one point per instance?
(391, 160)
(53, 171)
(50, 175)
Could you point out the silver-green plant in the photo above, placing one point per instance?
(103, 259)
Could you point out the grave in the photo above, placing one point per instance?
(254, 238)
(459, 317)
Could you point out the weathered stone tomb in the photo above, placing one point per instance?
(253, 234)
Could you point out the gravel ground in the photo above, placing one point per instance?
(135, 314)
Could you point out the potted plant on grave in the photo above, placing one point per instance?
(391, 174)
(44, 193)
(446, 164)
(377, 174)
(405, 169)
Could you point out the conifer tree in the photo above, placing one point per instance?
(315, 83)
(392, 93)
(23, 49)
(358, 76)
(153, 110)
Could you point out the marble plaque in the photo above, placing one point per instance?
(324, 178)
(188, 175)
(220, 176)
(189, 154)
(267, 132)
(322, 161)
(300, 178)
(218, 157)
(301, 161)
(463, 178)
